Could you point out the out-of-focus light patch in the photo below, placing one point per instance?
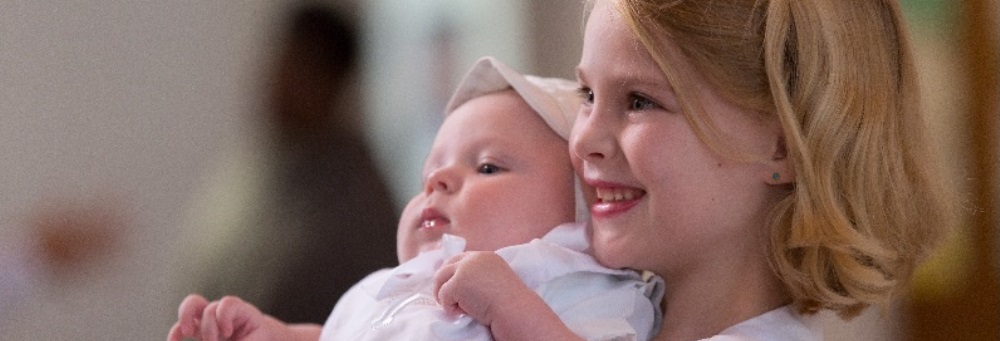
(940, 278)
(929, 16)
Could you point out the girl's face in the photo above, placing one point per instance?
(496, 176)
(661, 199)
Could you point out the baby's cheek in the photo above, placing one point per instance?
(404, 253)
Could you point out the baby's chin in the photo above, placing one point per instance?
(405, 256)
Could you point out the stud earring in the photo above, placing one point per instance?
(776, 176)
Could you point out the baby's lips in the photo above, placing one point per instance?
(432, 218)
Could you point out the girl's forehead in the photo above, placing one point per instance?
(613, 55)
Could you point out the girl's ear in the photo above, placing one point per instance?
(781, 170)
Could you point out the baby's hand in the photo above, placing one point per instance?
(227, 319)
(481, 285)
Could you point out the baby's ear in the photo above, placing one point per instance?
(780, 168)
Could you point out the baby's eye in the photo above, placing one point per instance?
(640, 103)
(489, 168)
(586, 94)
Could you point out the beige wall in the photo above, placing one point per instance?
(117, 102)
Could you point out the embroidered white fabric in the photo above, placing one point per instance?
(595, 302)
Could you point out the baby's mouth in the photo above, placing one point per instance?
(431, 218)
(431, 223)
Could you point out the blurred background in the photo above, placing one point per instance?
(119, 120)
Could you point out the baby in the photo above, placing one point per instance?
(498, 178)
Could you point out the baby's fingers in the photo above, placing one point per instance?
(443, 288)
(446, 272)
(176, 334)
(233, 313)
(209, 325)
(441, 277)
(188, 315)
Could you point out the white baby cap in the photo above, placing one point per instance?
(556, 100)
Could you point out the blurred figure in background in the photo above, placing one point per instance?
(311, 197)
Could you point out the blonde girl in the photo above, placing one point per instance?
(767, 158)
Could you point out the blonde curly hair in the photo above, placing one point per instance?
(867, 204)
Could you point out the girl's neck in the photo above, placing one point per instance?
(702, 305)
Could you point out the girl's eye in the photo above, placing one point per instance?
(640, 103)
(586, 94)
(489, 168)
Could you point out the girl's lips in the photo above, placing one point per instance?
(610, 209)
(613, 199)
(618, 194)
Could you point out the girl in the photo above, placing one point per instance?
(766, 158)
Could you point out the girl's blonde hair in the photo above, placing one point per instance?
(867, 204)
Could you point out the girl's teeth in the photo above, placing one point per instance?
(618, 194)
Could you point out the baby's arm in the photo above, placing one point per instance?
(233, 319)
(483, 286)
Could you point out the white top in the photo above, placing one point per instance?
(782, 324)
(595, 302)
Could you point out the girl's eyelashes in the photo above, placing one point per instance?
(488, 168)
(636, 102)
(639, 102)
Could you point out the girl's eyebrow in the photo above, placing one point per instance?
(633, 79)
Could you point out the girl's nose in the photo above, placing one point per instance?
(592, 139)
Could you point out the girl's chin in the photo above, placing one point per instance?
(609, 253)
(612, 261)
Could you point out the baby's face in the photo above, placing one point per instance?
(496, 176)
